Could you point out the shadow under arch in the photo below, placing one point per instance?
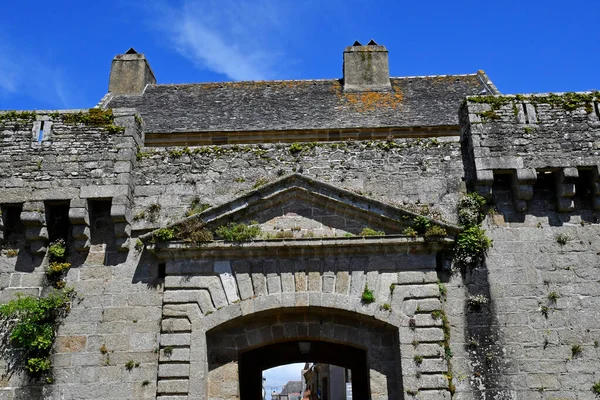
(240, 349)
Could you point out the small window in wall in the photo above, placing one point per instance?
(101, 225)
(57, 220)
(544, 192)
(502, 191)
(41, 132)
(162, 271)
(11, 220)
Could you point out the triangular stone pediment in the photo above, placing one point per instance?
(298, 207)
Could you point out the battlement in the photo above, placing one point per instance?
(517, 138)
(64, 162)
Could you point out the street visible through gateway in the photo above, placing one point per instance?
(307, 381)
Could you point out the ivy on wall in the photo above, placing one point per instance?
(29, 324)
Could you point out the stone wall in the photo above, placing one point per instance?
(424, 171)
(534, 158)
(116, 316)
(537, 337)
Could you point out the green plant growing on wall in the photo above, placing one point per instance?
(435, 231)
(562, 239)
(196, 208)
(553, 297)
(12, 252)
(295, 148)
(472, 243)
(437, 314)
(58, 268)
(57, 250)
(284, 235)
(366, 231)
(168, 351)
(418, 359)
(443, 290)
(471, 246)
(262, 181)
(477, 301)
(489, 115)
(576, 350)
(409, 232)
(239, 232)
(193, 230)
(163, 234)
(473, 343)
(471, 209)
(94, 117)
(367, 296)
(421, 224)
(596, 389)
(178, 152)
(129, 365)
(31, 323)
(56, 272)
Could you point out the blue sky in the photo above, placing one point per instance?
(57, 54)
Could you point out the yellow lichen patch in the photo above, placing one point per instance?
(372, 100)
(446, 79)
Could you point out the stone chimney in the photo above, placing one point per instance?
(366, 67)
(130, 73)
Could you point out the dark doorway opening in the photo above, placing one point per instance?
(57, 220)
(14, 230)
(101, 224)
(584, 190)
(253, 362)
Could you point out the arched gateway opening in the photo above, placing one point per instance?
(253, 362)
(239, 350)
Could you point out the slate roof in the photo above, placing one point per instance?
(301, 105)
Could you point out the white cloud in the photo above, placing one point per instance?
(8, 76)
(234, 38)
(23, 73)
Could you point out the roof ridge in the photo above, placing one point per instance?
(246, 82)
(431, 76)
(299, 80)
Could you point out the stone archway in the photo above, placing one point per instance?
(240, 349)
(215, 289)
